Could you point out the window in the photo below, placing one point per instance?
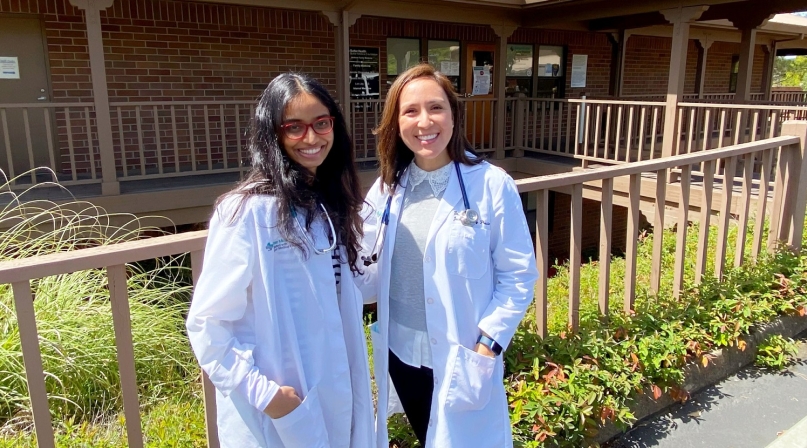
(735, 69)
(401, 54)
(519, 70)
(550, 79)
(444, 55)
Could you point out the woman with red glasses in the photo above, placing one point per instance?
(275, 320)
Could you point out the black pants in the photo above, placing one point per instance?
(414, 386)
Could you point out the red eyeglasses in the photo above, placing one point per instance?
(297, 130)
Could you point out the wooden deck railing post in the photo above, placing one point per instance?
(796, 190)
(32, 357)
(122, 323)
(518, 126)
(606, 220)
(542, 258)
(208, 390)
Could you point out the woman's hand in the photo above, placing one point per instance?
(484, 350)
(284, 401)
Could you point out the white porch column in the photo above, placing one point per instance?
(703, 59)
(499, 73)
(680, 19)
(92, 15)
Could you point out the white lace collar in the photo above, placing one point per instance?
(438, 179)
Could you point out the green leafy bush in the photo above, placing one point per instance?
(776, 352)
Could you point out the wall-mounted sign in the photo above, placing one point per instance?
(364, 65)
(579, 67)
(9, 67)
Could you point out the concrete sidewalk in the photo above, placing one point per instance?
(751, 409)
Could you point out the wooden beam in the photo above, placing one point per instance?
(681, 19)
(95, 44)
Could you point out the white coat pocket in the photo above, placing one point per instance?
(304, 426)
(468, 250)
(471, 381)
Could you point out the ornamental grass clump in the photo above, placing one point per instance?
(74, 316)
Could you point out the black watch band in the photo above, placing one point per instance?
(490, 343)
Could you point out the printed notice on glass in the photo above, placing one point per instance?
(450, 68)
(579, 67)
(481, 81)
(9, 67)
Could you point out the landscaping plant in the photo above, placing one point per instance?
(775, 352)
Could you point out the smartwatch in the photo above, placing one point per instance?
(490, 343)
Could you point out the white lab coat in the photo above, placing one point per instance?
(259, 302)
(476, 279)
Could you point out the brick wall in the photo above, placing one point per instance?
(166, 49)
(718, 67)
(177, 50)
(560, 230)
(647, 66)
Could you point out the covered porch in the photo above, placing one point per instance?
(154, 152)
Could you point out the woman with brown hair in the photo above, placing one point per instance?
(450, 261)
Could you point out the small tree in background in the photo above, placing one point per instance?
(790, 72)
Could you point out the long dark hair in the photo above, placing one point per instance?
(335, 184)
(393, 154)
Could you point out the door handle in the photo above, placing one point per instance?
(42, 98)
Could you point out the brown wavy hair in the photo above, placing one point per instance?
(393, 154)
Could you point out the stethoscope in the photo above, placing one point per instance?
(308, 238)
(467, 217)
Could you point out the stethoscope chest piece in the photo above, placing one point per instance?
(468, 217)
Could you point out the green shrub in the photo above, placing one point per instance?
(776, 352)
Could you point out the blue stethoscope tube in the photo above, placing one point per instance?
(467, 217)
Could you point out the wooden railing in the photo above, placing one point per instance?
(789, 97)
(153, 140)
(592, 130)
(704, 126)
(59, 136)
(714, 97)
(113, 258)
(781, 158)
(778, 159)
(179, 138)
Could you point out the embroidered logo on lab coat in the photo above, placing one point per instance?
(277, 245)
